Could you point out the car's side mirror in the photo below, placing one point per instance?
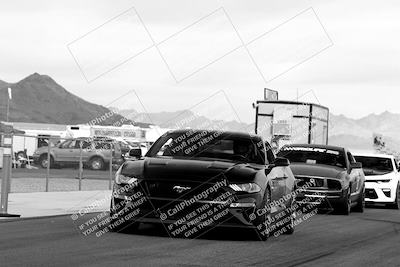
(356, 165)
(135, 152)
(281, 162)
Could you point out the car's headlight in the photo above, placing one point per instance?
(247, 187)
(122, 179)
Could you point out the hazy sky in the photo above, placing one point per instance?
(197, 48)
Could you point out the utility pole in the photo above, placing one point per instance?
(8, 102)
(6, 177)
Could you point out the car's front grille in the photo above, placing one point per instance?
(371, 194)
(310, 182)
(318, 182)
(183, 190)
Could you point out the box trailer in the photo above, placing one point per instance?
(126, 132)
(286, 122)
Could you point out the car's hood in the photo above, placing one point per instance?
(388, 176)
(189, 169)
(316, 170)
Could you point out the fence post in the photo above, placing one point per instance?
(111, 165)
(48, 165)
(5, 181)
(80, 165)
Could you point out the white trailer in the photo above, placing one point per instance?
(127, 132)
(35, 136)
(284, 122)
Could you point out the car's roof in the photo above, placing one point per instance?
(234, 134)
(316, 146)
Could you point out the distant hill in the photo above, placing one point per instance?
(38, 98)
(358, 134)
(185, 119)
(3, 84)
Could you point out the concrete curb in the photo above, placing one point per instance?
(51, 204)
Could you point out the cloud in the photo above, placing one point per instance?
(365, 56)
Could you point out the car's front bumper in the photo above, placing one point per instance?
(236, 213)
(321, 197)
(380, 192)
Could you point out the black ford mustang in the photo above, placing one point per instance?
(193, 180)
(338, 181)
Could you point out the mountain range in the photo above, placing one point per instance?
(38, 98)
(358, 133)
(184, 119)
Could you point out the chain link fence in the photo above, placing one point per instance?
(47, 163)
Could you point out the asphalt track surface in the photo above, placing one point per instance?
(369, 239)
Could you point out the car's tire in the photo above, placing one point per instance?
(96, 163)
(261, 222)
(43, 161)
(396, 204)
(21, 154)
(360, 202)
(345, 207)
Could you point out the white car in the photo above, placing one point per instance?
(382, 179)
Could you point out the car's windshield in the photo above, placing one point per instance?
(375, 165)
(313, 155)
(207, 145)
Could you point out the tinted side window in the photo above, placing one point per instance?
(69, 144)
(101, 145)
(65, 144)
(78, 144)
(86, 145)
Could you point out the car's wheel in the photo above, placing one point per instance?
(21, 154)
(261, 221)
(345, 207)
(360, 202)
(396, 204)
(43, 161)
(96, 163)
(21, 159)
